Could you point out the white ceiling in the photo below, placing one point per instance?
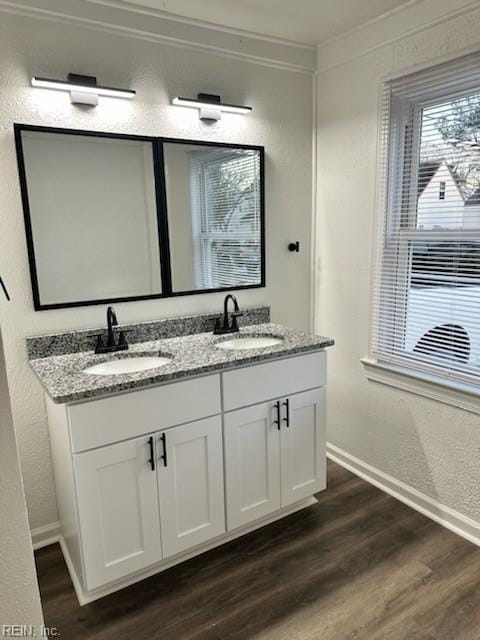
(306, 21)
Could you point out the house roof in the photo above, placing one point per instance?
(428, 169)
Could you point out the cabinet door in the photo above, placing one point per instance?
(118, 510)
(252, 464)
(190, 484)
(303, 446)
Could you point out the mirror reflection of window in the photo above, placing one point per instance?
(214, 205)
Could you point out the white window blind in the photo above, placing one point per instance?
(426, 289)
(226, 208)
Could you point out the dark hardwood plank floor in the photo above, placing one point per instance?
(357, 565)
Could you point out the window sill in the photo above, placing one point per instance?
(456, 394)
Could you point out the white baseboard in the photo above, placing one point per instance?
(447, 517)
(77, 585)
(43, 536)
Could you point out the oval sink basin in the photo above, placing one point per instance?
(126, 365)
(249, 342)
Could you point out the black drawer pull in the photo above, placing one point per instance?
(163, 457)
(152, 455)
(277, 410)
(286, 404)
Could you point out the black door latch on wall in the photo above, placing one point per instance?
(4, 288)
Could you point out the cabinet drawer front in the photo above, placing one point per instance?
(100, 422)
(262, 382)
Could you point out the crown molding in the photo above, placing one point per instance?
(406, 21)
(150, 11)
(364, 25)
(152, 27)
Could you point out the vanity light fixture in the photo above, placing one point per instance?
(83, 89)
(210, 106)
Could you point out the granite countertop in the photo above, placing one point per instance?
(63, 378)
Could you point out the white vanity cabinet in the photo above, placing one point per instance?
(190, 484)
(117, 511)
(150, 477)
(124, 526)
(303, 445)
(274, 455)
(252, 464)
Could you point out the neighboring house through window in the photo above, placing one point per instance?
(427, 287)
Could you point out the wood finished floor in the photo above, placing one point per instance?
(357, 565)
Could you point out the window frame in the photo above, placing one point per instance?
(393, 242)
(442, 190)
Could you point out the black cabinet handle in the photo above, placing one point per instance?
(152, 455)
(286, 404)
(4, 288)
(163, 457)
(277, 410)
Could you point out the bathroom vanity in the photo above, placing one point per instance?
(156, 466)
(181, 438)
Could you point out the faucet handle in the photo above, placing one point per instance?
(100, 345)
(235, 315)
(122, 341)
(218, 327)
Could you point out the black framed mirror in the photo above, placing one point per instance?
(113, 218)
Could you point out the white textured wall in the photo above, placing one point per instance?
(281, 120)
(19, 595)
(431, 446)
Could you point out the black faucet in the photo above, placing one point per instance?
(111, 322)
(223, 325)
(111, 345)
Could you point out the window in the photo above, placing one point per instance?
(426, 291)
(441, 190)
(226, 217)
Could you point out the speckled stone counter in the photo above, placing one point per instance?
(64, 380)
(59, 344)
